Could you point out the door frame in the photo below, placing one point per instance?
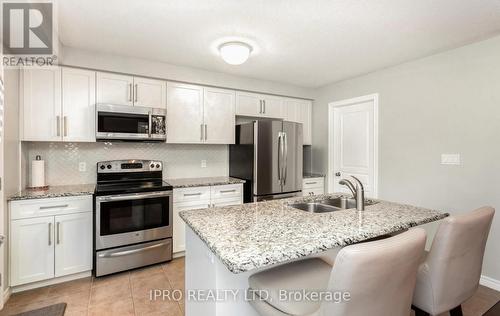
(331, 119)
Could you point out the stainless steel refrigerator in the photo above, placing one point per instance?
(268, 155)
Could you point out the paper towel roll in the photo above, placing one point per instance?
(38, 173)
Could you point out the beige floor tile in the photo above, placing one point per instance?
(175, 266)
(123, 307)
(141, 288)
(148, 307)
(70, 287)
(115, 279)
(112, 292)
(148, 272)
(30, 296)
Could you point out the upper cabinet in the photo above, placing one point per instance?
(58, 104)
(300, 111)
(78, 99)
(41, 104)
(259, 105)
(197, 114)
(129, 90)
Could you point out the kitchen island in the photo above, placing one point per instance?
(225, 245)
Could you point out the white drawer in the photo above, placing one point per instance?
(227, 192)
(192, 194)
(49, 207)
(313, 183)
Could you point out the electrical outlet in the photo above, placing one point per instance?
(203, 163)
(82, 167)
(450, 159)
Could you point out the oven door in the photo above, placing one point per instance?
(133, 218)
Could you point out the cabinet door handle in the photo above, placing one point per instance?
(228, 191)
(65, 124)
(55, 206)
(58, 241)
(260, 106)
(50, 234)
(201, 132)
(136, 93)
(311, 182)
(206, 132)
(264, 102)
(58, 125)
(192, 194)
(130, 92)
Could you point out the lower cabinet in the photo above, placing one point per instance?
(200, 198)
(50, 238)
(313, 186)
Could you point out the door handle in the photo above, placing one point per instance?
(132, 251)
(51, 207)
(228, 191)
(136, 92)
(130, 92)
(58, 125)
(264, 102)
(206, 132)
(58, 240)
(65, 124)
(260, 106)
(285, 141)
(280, 153)
(192, 194)
(50, 234)
(337, 174)
(201, 132)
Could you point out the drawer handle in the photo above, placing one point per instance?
(52, 207)
(192, 194)
(228, 191)
(131, 252)
(311, 182)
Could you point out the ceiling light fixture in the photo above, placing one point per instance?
(235, 53)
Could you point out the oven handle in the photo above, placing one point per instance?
(136, 196)
(130, 252)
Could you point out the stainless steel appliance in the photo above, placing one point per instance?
(268, 155)
(132, 216)
(130, 123)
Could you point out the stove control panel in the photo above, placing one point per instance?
(115, 166)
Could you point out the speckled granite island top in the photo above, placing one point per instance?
(254, 235)
(201, 182)
(54, 191)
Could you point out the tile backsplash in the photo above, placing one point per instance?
(180, 161)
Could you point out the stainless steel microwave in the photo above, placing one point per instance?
(130, 123)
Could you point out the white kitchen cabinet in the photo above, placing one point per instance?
(73, 243)
(198, 115)
(50, 238)
(115, 89)
(300, 111)
(194, 198)
(78, 105)
(41, 104)
(130, 90)
(219, 116)
(184, 113)
(150, 92)
(31, 250)
(259, 105)
(313, 186)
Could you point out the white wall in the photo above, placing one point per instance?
(446, 103)
(11, 146)
(87, 59)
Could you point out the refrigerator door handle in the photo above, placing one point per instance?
(285, 141)
(280, 152)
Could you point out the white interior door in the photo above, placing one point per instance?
(219, 116)
(354, 144)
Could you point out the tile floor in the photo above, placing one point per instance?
(128, 294)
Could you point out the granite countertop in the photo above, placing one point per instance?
(54, 191)
(255, 235)
(312, 175)
(200, 182)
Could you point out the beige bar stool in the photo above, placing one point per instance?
(379, 276)
(449, 274)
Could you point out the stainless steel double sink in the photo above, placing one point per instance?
(329, 205)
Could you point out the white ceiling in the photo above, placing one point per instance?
(304, 42)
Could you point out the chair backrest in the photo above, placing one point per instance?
(379, 276)
(455, 260)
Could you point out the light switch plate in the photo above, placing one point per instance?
(82, 167)
(203, 163)
(450, 159)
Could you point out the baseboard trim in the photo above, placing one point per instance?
(6, 295)
(490, 282)
(179, 254)
(35, 285)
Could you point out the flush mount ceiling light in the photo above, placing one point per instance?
(235, 53)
